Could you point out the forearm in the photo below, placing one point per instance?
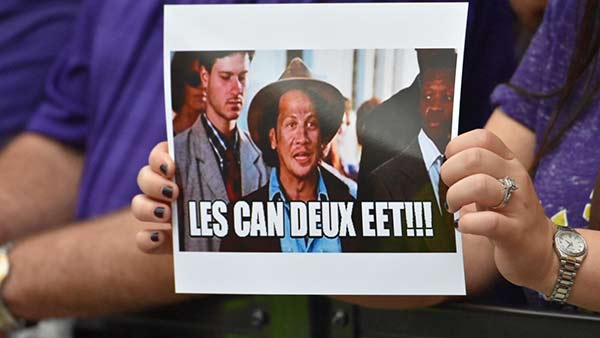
(39, 179)
(84, 269)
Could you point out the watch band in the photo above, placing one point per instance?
(8, 321)
(566, 278)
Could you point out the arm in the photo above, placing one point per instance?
(89, 268)
(39, 185)
(529, 12)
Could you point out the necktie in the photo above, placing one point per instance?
(442, 190)
(441, 187)
(232, 176)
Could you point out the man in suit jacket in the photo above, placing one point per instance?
(414, 174)
(396, 122)
(292, 120)
(215, 160)
(389, 128)
(406, 178)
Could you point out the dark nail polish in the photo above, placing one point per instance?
(154, 237)
(159, 212)
(163, 169)
(446, 206)
(443, 158)
(167, 192)
(455, 224)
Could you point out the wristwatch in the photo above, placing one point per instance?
(8, 321)
(571, 249)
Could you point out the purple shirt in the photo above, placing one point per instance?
(31, 34)
(565, 177)
(105, 97)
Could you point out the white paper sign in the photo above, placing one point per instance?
(306, 139)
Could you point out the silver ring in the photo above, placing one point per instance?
(509, 186)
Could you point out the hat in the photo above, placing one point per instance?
(436, 58)
(264, 108)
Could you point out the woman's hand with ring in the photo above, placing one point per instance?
(513, 220)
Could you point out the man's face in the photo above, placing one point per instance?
(225, 86)
(297, 138)
(437, 98)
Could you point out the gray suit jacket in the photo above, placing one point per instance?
(199, 177)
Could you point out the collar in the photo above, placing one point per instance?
(219, 140)
(429, 150)
(276, 193)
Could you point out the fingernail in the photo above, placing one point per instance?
(443, 158)
(154, 237)
(163, 169)
(167, 191)
(446, 206)
(159, 212)
(456, 224)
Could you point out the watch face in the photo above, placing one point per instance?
(570, 242)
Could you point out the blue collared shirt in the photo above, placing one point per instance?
(290, 244)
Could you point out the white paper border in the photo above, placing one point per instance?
(316, 26)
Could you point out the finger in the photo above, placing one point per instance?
(149, 210)
(155, 241)
(472, 161)
(481, 189)
(160, 161)
(156, 186)
(492, 225)
(479, 138)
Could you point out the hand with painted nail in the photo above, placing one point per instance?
(481, 170)
(155, 181)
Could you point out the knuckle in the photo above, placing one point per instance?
(450, 148)
(472, 159)
(494, 225)
(480, 184)
(137, 206)
(484, 138)
(141, 177)
(135, 202)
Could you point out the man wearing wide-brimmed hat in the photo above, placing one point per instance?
(292, 120)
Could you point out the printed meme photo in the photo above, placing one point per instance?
(309, 158)
(308, 171)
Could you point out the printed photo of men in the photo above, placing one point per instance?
(216, 160)
(414, 174)
(292, 120)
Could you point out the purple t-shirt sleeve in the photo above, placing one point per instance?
(63, 115)
(530, 76)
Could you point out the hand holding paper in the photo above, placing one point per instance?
(155, 181)
(515, 224)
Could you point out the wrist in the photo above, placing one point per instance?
(8, 321)
(551, 271)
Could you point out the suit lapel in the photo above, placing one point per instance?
(208, 168)
(250, 161)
